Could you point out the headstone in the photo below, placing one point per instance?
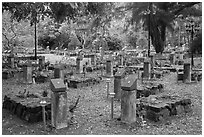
(180, 56)
(147, 70)
(59, 114)
(187, 73)
(11, 60)
(121, 60)
(128, 96)
(152, 59)
(93, 59)
(109, 68)
(79, 65)
(172, 58)
(42, 62)
(58, 72)
(120, 74)
(27, 73)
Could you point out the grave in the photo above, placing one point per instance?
(58, 72)
(120, 74)
(109, 68)
(27, 72)
(27, 106)
(152, 60)
(59, 114)
(121, 59)
(195, 76)
(79, 81)
(128, 106)
(42, 62)
(172, 58)
(158, 108)
(11, 60)
(148, 88)
(187, 73)
(79, 65)
(147, 70)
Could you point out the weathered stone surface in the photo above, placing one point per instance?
(160, 107)
(147, 69)
(26, 108)
(78, 82)
(187, 73)
(129, 83)
(59, 109)
(57, 85)
(128, 106)
(109, 68)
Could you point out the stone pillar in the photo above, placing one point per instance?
(79, 65)
(59, 113)
(147, 70)
(152, 61)
(42, 62)
(93, 59)
(180, 56)
(11, 60)
(172, 58)
(187, 73)
(27, 73)
(121, 60)
(109, 68)
(120, 74)
(58, 72)
(128, 106)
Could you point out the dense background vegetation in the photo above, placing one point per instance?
(70, 25)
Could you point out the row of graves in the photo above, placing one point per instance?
(136, 86)
(34, 107)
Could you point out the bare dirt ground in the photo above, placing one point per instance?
(92, 115)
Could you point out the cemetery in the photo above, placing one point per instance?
(105, 87)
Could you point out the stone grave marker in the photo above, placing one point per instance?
(128, 96)
(120, 74)
(152, 59)
(187, 73)
(58, 72)
(42, 62)
(147, 70)
(79, 65)
(109, 68)
(59, 113)
(27, 73)
(172, 58)
(11, 60)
